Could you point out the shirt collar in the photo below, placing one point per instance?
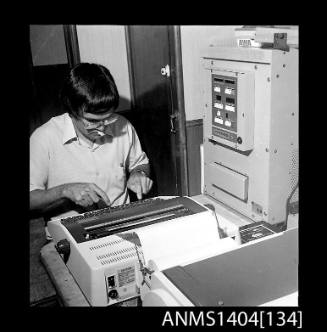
(69, 132)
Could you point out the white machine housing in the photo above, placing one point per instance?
(250, 103)
(112, 263)
(94, 263)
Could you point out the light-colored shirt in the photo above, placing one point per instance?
(58, 156)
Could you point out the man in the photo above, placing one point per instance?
(85, 156)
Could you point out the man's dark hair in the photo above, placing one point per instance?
(89, 88)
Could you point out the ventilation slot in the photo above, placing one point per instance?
(294, 175)
(118, 258)
(103, 245)
(117, 252)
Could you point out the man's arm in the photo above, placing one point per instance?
(46, 199)
(139, 181)
(83, 194)
(138, 164)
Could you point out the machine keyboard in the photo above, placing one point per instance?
(99, 212)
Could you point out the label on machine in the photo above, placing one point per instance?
(224, 134)
(126, 276)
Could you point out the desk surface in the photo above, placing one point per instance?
(42, 293)
(67, 289)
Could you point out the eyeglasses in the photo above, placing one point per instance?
(93, 123)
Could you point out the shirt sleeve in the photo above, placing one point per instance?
(136, 155)
(39, 160)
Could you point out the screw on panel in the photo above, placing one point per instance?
(284, 65)
(206, 105)
(292, 143)
(277, 75)
(220, 302)
(267, 150)
(275, 150)
(212, 62)
(292, 113)
(243, 115)
(255, 67)
(268, 79)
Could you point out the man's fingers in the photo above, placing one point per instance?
(138, 192)
(146, 184)
(83, 202)
(87, 199)
(94, 196)
(101, 193)
(141, 186)
(150, 185)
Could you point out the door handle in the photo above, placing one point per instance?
(172, 123)
(165, 71)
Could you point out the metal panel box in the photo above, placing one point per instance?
(262, 144)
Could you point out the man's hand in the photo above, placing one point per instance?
(84, 194)
(139, 183)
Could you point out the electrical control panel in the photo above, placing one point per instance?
(224, 107)
(250, 129)
(232, 108)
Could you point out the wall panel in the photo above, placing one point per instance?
(193, 39)
(106, 45)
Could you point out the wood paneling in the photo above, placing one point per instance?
(194, 131)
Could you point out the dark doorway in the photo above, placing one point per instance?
(151, 49)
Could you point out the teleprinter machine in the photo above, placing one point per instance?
(168, 251)
(107, 250)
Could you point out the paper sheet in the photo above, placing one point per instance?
(193, 255)
(178, 237)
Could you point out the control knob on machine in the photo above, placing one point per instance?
(63, 248)
(113, 294)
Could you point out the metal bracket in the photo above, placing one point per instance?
(172, 122)
(280, 42)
